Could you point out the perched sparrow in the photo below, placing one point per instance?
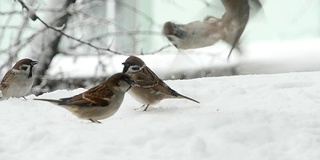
(18, 81)
(150, 88)
(99, 102)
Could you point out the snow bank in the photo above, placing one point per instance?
(244, 117)
(257, 58)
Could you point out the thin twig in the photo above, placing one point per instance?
(35, 17)
(159, 50)
(130, 33)
(3, 29)
(25, 42)
(134, 9)
(9, 13)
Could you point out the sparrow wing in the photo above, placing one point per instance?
(98, 96)
(7, 78)
(146, 78)
(165, 89)
(101, 97)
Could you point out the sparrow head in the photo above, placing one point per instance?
(25, 65)
(133, 64)
(122, 81)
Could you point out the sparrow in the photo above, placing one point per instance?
(99, 102)
(150, 88)
(17, 82)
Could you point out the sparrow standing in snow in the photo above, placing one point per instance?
(99, 102)
(150, 89)
(17, 82)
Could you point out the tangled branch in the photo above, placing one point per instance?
(32, 15)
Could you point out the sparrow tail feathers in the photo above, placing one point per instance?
(185, 97)
(49, 100)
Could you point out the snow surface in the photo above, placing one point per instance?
(267, 57)
(251, 117)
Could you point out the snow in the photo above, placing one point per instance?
(248, 117)
(281, 57)
(267, 57)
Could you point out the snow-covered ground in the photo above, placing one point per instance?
(258, 58)
(252, 117)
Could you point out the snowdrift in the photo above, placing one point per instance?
(241, 117)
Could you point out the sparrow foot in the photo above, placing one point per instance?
(145, 109)
(94, 121)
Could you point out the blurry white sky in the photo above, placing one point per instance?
(279, 19)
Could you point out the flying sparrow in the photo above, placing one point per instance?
(150, 88)
(18, 81)
(99, 102)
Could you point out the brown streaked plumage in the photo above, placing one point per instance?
(150, 88)
(99, 102)
(17, 82)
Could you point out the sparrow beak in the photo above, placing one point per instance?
(132, 83)
(125, 67)
(34, 63)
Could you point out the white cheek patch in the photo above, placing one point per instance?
(142, 67)
(25, 67)
(131, 70)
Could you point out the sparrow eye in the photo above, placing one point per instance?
(23, 68)
(135, 68)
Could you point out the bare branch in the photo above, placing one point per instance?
(10, 13)
(14, 27)
(130, 33)
(24, 42)
(4, 28)
(79, 40)
(158, 50)
(206, 3)
(31, 13)
(70, 53)
(134, 9)
(34, 17)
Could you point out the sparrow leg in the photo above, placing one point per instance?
(146, 107)
(24, 97)
(94, 121)
(140, 107)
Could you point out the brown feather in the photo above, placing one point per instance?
(99, 102)
(7, 78)
(146, 78)
(96, 96)
(151, 88)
